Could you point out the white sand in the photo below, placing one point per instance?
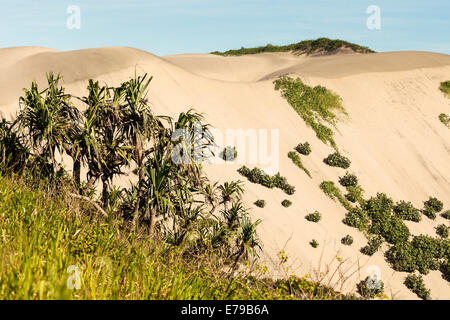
(392, 134)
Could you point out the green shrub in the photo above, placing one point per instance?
(445, 269)
(445, 87)
(431, 207)
(314, 217)
(229, 153)
(337, 160)
(260, 203)
(349, 180)
(303, 148)
(315, 105)
(393, 230)
(286, 203)
(314, 243)
(347, 240)
(446, 215)
(298, 162)
(372, 245)
(445, 119)
(442, 231)
(330, 189)
(355, 194)
(357, 218)
(415, 284)
(256, 175)
(406, 211)
(371, 287)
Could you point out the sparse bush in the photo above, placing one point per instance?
(298, 162)
(371, 287)
(286, 203)
(347, 240)
(337, 160)
(445, 88)
(415, 284)
(260, 203)
(314, 217)
(372, 246)
(303, 148)
(431, 207)
(229, 153)
(442, 231)
(349, 180)
(445, 119)
(406, 211)
(314, 243)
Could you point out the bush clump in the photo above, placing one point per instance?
(314, 217)
(416, 284)
(445, 88)
(337, 160)
(357, 218)
(445, 119)
(314, 243)
(256, 175)
(286, 203)
(349, 180)
(442, 231)
(260, 203)
(303, 148)
(229, 153)
(406, 211)
(347, 240)
(298, 162)
(372, 246)
(355, 194)
(431, 207)
(446, 215)
(371, 287)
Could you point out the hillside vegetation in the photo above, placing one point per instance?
(320, 45)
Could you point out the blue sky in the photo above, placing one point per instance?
(180, 26)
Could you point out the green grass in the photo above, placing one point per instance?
(298, 162)
(445, 88)
(307, 46)
(317, 106)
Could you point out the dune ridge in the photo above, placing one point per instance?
(392, 132)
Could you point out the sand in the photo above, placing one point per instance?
(392, 135)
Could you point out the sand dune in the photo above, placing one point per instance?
(392, 133)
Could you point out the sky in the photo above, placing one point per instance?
(166, 27)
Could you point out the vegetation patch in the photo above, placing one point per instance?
(347, 240)
(406, 211)
(370, 287)
(330, 189)
(320, 45)
(303, 148)
(372, 246)
(286, 203)
(445, 88)
(314, 243)
(416, 284)
(298, 162)
(260, 203)
(348, 180)
(314, 217)
(446, 214)
(256, 175)
(337, 160)
(315, 105)
(445, 119)
(431, 207)
(442, 231)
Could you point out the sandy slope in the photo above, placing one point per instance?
(392, 134)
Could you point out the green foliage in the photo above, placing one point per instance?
(446, 214)
(431, 207)
(315, 105)
(286, 203)
(349, 180)
(406, 211)
(256, 175)
(303, 148)
(445, 119)
(330, 189)
(347, 240)
(355, 194)
(229, 153)
(298, 162)
(314, 217)
(260, 203)
(337, 160)
(445, 87)
(306, 46)
(442, 231)
(416, 284)
(314, 243)
(370, 287)
(357, 218)
(372, 246)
